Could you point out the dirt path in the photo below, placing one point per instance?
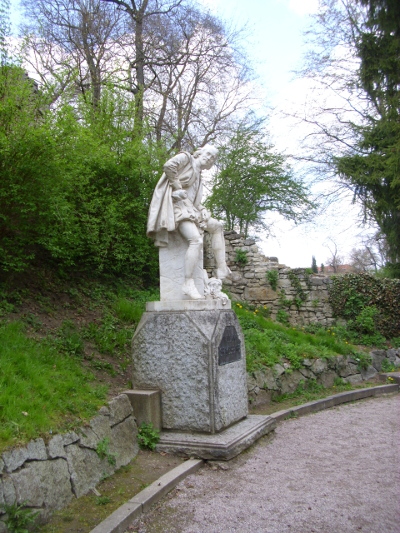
(337, 471)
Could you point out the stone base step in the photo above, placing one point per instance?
(221, 446)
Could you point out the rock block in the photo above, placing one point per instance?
(86, 469)
(124, 445)
(120, 408)
(43, 484)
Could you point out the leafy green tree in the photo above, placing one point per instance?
(374, 169)
(252, 180)
(75, 187)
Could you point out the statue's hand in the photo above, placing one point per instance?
(180, 194)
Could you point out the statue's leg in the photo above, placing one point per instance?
(189, 231)
(216, 230)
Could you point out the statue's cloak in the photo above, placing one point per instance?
(161, 217)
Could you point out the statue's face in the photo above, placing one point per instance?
(207, 158)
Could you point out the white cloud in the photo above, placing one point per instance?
(303, 7)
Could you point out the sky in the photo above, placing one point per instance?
(275, 46)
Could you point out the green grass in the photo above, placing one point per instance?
(128, 311)
(268, 342)
(41, 390)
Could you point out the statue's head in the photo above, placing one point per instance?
(207, 156)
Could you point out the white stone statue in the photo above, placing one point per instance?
(176, 207)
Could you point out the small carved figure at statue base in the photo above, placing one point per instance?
(176, 207)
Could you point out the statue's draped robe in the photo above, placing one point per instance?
(178, 170)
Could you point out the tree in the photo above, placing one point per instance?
(322, 268)
(252, 180)
(334, 260)
(314, 267)
(374, 171)
(184, 68)
(354, 135)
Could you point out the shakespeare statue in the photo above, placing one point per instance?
(176, 207)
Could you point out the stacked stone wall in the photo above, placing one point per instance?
(47, 476)
(249, 283)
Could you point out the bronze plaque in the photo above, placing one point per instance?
(229, 349)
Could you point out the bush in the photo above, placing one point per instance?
(148, 436)
(273, 276)
(350, 294)
(241, 257)
(75, 188)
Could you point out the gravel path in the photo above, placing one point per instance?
(337, 471)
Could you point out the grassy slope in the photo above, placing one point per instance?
(65, 349)
(268, 343)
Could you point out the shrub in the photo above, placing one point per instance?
(241, 257)
(18, 517)
(351, 293)
(148, 436)
(273, 277)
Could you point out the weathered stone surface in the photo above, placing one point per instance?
(15, 458)
(43, 483)
(391, 355)
(397, 362)
(290, 381)
(251, 382)
(120, 408)
(99, 429)
(86, 469)
(347, 370)
(319, 366)
(377, 357)
(8, 490)
(369, 373)
(186, 348)
(123, 444)
(356, 378)
(260, 293)
(266, 379)
(306, 373)
(307, 362)
(278, 370)
(36, 450)
(55, 447)
(70, 438)
(327, 378)
(1, 465)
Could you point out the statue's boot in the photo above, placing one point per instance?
(189, 288)
(224, 272)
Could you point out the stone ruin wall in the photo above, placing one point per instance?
(250, 284)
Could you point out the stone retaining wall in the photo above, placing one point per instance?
(249, 283)
(281, 379)
(48, 476)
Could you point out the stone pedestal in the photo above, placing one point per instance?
(172, 275)
(196, 358)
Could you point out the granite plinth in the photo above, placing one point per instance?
(179, 353)
(188, 305)
(220, 446)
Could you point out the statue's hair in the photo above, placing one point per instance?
(206, 147)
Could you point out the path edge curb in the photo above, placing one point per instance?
(121, 518)
(333, 401)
